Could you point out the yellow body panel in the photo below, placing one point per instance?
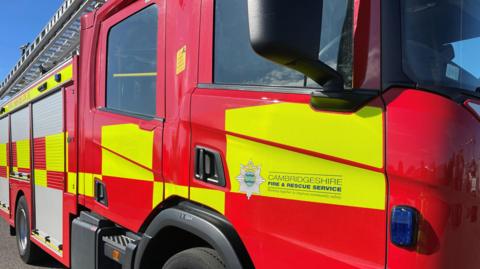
(55, 152)
(66, 75)
(130, 141)
(72, 182)
(157, 193)
(175, 190)
(116, 166)
(356, 137)
(208, 197)
(290, 175)
(23, 153)
(3, 154)
(86, 183)
(41, 177)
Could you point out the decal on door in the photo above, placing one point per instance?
(181, 59)
(291, 151)
(250, 179)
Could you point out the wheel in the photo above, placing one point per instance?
(195, 258)
(28, 251)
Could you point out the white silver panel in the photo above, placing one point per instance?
(48, 212)
(4, 130)
(4, 197)
(20, 125)
(48, 115)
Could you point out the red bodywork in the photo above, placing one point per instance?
(430, 153)
(432, 165)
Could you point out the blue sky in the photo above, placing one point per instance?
(20, 22)
(467, 55)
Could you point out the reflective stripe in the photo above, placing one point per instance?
(23, 154)
(3, 154)
(72, 183)
(71, 176)
(208, 197)
(175, 190)
(157, 193)
(48, 244)
(41, 177)
(152, 74)
(66, 75)
(284, 171)
(86, 183)
(356, 137)
(55, 152)
(295, 176)
(127, 152)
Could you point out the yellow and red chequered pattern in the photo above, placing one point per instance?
(21, 157)
(46, 174)
(3, 160)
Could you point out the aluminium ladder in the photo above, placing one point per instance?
(57, 41)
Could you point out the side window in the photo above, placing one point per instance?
(236, 62)
(132, 64)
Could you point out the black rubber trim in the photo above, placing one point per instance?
(392, 53)
(204, 223)
(391, 46)
(257, 88)
(342, 101)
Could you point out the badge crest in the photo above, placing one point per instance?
(250, 179)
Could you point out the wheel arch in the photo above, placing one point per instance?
(203, 226)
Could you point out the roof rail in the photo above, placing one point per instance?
(56, 42)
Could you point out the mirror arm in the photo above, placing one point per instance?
(329, 78)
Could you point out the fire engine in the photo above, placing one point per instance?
(246, 134)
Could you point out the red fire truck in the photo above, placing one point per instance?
(253, 134)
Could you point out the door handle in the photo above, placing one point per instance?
(209, 166)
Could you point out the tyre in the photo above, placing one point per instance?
(195, 258)
(28, 251)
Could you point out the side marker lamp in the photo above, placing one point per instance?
(404, 226)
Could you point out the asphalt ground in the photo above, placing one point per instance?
(9, 258)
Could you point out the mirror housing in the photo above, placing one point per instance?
(288, 33)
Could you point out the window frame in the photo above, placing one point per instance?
(102, 60)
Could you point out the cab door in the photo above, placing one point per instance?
(125, 176)
(303, 186)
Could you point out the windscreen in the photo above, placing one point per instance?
(441, 43)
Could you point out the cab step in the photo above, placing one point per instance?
(98, 243)
(120, 248)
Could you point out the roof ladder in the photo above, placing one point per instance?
(55, 43)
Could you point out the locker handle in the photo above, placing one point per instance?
(100, 192)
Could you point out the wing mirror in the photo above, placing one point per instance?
(288, 33)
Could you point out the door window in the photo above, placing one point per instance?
(132, 64)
